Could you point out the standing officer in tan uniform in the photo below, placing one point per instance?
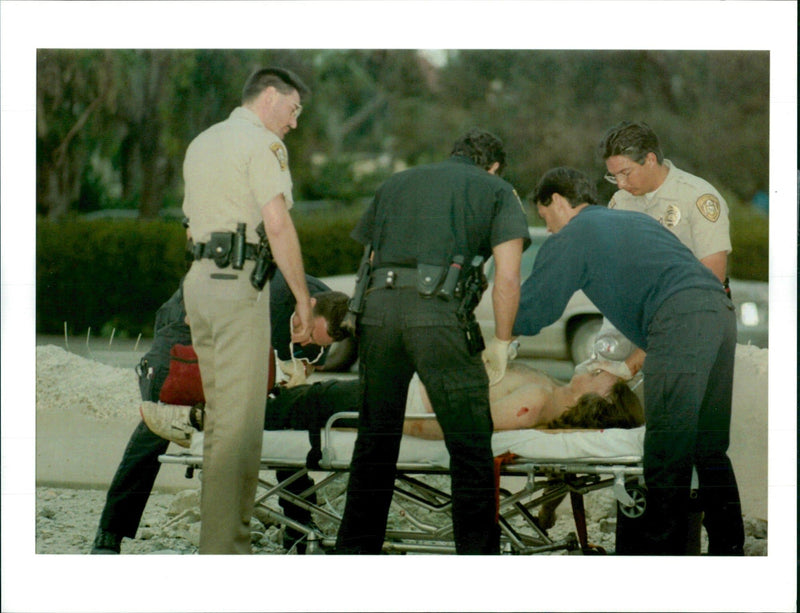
(688, 206)
(237, 175)
(685, 204)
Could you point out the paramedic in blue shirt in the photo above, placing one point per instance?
(673, 307)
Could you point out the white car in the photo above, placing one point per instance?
(572, 336)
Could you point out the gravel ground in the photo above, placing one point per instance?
(66, 521)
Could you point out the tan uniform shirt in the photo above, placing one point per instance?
(231, 171)
(688, 206)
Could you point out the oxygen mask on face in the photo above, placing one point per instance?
(613, 347)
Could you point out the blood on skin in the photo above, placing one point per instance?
(522, 411)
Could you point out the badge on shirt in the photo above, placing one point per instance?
(672, 216)
(280, 153)
(708, 205)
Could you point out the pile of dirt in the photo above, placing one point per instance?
(68, 383)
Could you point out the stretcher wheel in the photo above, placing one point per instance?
(639, 505)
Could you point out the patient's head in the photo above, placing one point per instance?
(619, 407)
(593, 382)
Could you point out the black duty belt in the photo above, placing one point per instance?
(393, 278)
(206, 250)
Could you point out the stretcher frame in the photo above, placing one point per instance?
(419, 500)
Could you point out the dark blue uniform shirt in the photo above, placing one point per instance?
(626, 263)
(430, 213)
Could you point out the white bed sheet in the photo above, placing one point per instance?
(602, 446)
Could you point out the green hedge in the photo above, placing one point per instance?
(325, 240)
(108, 274)
(750, 239)
(114, 274)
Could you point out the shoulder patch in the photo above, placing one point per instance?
(280, 153)
(708, 205)
(672, 216)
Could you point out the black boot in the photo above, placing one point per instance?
(293, 538)
(106, 543)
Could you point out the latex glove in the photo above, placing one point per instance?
(616, 368)
(295, 370)
(495, 359)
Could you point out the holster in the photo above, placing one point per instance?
(265, 266)
(355, 305)
(474, 284)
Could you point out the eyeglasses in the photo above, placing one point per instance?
(623, 175)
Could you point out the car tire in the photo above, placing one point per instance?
(581, 343)
(341, 356)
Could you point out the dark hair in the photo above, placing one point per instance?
(333, 307)
(633, 140)
(621, 409)
(482, 147)
(570, 183)
(285, 81)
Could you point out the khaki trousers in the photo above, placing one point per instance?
(229, 320)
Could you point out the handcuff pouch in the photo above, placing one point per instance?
(429, 278)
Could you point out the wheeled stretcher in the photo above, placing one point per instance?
(533, 468)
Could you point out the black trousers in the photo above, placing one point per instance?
(300, 408)
(688, 393)
(132, 483)
(307, 407)
(402, 332)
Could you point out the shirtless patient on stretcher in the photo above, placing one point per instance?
(528, 398)
(524, 398)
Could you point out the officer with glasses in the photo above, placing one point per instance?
(236, 177)
(690, 207)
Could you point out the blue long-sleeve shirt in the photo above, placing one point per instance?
(625, 262)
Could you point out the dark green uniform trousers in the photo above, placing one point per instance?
(401, 332)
